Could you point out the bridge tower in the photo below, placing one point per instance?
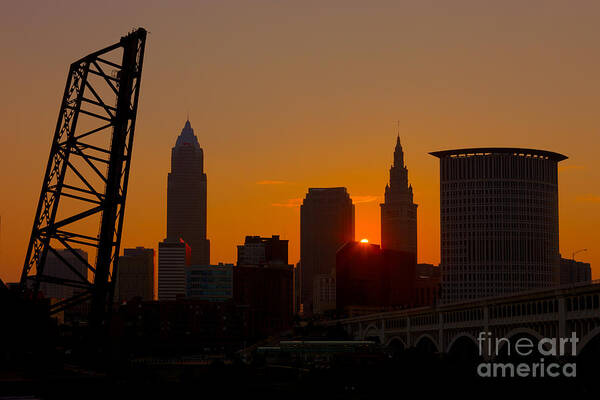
(82, 201)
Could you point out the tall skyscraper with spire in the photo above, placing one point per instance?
(399, 212)
(186, 196)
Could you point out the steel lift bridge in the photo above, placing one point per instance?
(82, 201)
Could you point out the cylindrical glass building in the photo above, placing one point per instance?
(499, 221)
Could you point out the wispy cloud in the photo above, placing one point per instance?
(364, 199)
(267, 182)
(289, 203)
(589, 198)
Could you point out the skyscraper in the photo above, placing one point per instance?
(263, 284)
(499, 221)
(186, 196)
(173, 259)
(326, 223)
(266, 292)
(136, 275)
(259, 250)
(369, 276)
(572, 271)
(399, 212)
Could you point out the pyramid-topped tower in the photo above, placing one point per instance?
(186, 196)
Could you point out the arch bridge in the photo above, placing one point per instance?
(552, 313)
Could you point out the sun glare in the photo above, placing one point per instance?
(364, 241)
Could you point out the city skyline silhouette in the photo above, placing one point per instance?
(324, 120)
(333, 199)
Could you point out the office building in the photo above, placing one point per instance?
(266, 292)
(136, 275)
(263, 284)
(326, 223)
(427, 285)
(186, 196)
(369, 276)
(499, 221)
(209, 282)
(298, 288)
(572, 271)
(257, 250)
(173, 258)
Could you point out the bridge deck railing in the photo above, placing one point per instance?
(478, 303)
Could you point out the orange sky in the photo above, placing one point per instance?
(289, 95)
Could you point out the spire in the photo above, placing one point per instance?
(398, 153)
(187, 136)
(398, 144)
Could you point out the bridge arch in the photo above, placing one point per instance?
(458, 337)
(588, 338)
(427, 337)
(372, 331)
(396, 339)
(395, 347)
(499, 351)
